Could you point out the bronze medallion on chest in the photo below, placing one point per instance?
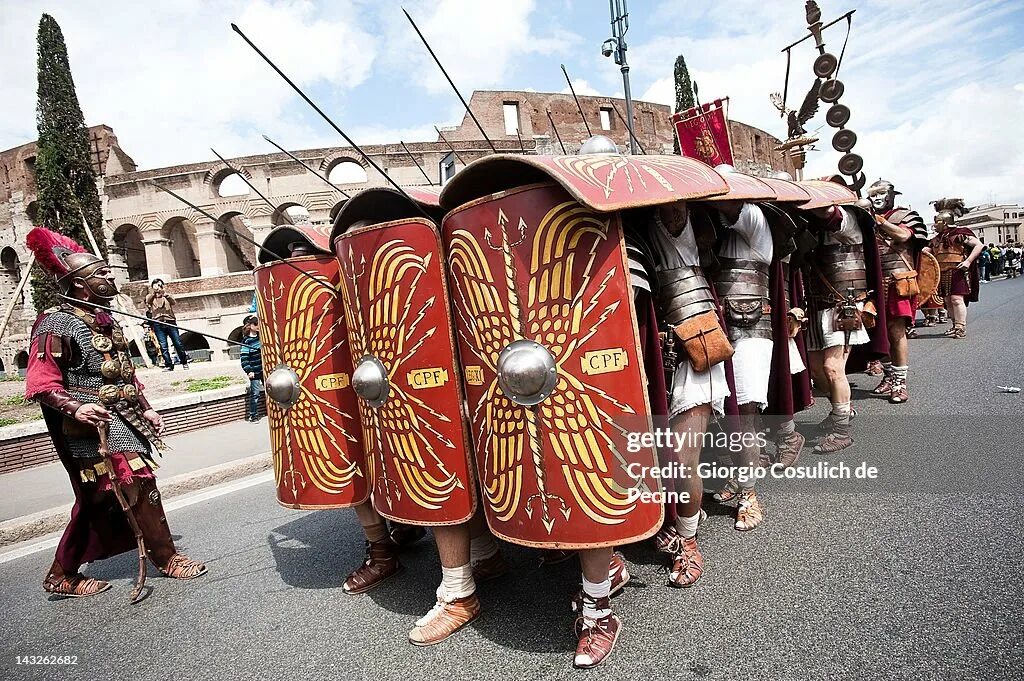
(109, 395)
(120, 342)
(130, 393)
(102, 343)
(110, 369)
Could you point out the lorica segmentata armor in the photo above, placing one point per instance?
(742, 287)
(895, 258)
(843, 266)
(683, 292)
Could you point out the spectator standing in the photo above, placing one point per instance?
(161, 310)
(252, 365)
(997, 259)
(984, 260)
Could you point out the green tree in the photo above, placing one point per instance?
(65, 181)
(684, 90)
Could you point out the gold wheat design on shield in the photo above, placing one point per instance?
(390, 330)
(573, 421)
(300, 340)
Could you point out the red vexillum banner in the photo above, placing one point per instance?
(704, 132)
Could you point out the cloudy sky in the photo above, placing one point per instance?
(936, 88)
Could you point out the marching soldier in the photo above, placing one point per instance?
(83, 378)
(957, 250)
(900, 234)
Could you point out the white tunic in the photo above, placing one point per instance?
(750, 238)
(689, 388)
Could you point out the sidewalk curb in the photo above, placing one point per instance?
(51, 520)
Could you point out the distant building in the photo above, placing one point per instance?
(995, 223)
(209, 270)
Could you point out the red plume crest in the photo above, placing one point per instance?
(46, 245)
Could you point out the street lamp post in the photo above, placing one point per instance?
(616, 45)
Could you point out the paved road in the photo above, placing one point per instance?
(45, 487)
(914, 575)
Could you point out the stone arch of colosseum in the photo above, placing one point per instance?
(129, 248)
(182, 246)
(290, 212)
(343, 169)
(231, 247)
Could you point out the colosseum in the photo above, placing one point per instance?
(209, 269)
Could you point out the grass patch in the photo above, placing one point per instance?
(7, 421)
(198, 385)
(7, 378)
(15, 401)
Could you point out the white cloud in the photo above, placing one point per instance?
(479, 43)
(582, 88)
(172, 79)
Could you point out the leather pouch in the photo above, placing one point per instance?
(704, 340)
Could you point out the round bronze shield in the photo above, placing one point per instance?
(130, 393)
(837, 115)
(927, 277)
(102, 343)
(109, 395)
(825, 64)
(831, 90)
(110, 369)
(844, 140)
(851, 164)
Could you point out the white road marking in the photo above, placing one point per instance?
(49, 541)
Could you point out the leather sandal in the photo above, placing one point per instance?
(687, 565)
(75, 586)
(182, 567)
(381, 563)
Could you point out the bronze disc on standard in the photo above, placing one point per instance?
(837, 115)
(844, 140)
(825, 64)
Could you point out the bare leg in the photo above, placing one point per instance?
(899, 348)
(452, 544)
(381, 560)
(691, 421)
(816, 365)
(597, 627)
(958, 311)
(839, 420)
(373, 523)
(749, 512)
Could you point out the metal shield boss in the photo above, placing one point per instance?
(405, 373)
(307, 369)
(551, 363)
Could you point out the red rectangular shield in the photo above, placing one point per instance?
(411, 405)
(536, 274)
(315, 441)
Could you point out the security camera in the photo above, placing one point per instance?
(608, 47)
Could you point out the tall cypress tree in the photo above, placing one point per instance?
(65, 180)
(684, 90)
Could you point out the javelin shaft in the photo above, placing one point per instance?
(445, 140)
(327, 118)
(450, 81)
(146, 319)
(301, 163)
(577, 99)
(555, 128)
(418, 166)
(629, 129)
(243, 237)
(270, 203)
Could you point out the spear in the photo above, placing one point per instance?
(243, 237)
(79, 302)
(629, 128)
(445, 140)
(557, 136)
(366, 157)
(578, 106)
(418, 166)
(270, 203)
(322, 177)
(450, 81)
